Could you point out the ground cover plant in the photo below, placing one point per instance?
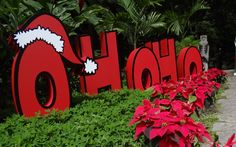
(100, 120)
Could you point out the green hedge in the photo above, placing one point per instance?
(100, 120)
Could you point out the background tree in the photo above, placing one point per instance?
(219, 24)
(134, 19)
(180, 16)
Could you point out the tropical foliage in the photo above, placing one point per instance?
(136, 20)
(180, 18)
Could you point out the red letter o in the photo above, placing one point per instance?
(39, 58)
(189, 62)
(142, 69)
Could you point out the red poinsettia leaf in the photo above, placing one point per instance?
(157, 123)
(137, 115)
(158, 89)
(185, 94)
(184, 131)
(134, 120)
(173, 128)
(160, 132)
(200, 94)
(153, 113)
(189, 145)
(203, 132)
(233, 143)
(176, 105)
(139, 129)
(168, 141)
(199, 103)
(200, 138)
(166, 117)
(147, 105)
(165, 102)
(182, 142)
(208, 136)
(163, 131)
(216, 144)
(230, 141)
(154, 132)
(139, 111)
(172, 94)
(188, 91)
(217, 85)
(156, 102)
(191, 127)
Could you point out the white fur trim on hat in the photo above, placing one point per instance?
(90, 66)
(24, 38)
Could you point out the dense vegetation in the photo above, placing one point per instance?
(100, 120)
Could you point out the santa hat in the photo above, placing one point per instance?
(49, 29)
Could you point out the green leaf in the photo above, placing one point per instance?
(32, 5)
(192, 99)
(165, 107)
(158, 25)
(131, 8)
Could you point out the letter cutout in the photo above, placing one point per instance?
(108, 73)
(42, 41)
(142, 69)
(166, 56)
(36, 59)
(189, 62)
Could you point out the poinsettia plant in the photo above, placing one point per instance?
(166, 120)
(195, 88)
(216, 75)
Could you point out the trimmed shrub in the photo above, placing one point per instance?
(100, 120)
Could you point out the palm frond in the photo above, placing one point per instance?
(131, 8)
(156, 2)
(147, 3)
(173, 22)
(89, 14)
(197, 6)
(150, 22)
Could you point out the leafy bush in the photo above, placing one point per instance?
(187, 41)
(100, 120)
